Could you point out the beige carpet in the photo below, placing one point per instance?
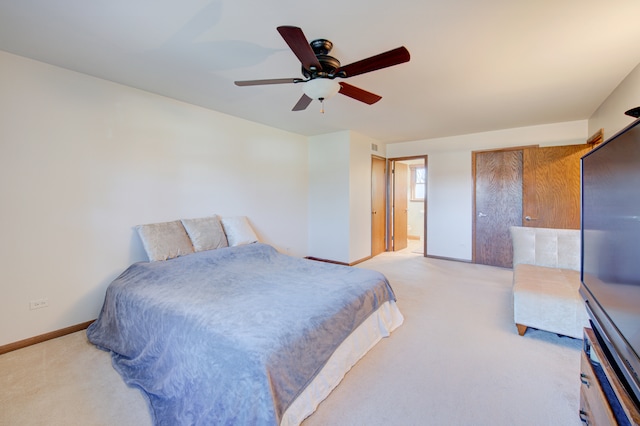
(457, 360)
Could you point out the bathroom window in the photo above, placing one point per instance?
(418, 182)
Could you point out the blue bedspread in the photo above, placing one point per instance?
(233, 335)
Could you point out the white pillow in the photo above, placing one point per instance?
(238, 230)
(164, 240)
(206, 233)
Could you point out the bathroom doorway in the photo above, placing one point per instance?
(408, 183)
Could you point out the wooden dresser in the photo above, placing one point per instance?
(603, 400)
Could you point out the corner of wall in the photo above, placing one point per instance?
(610, 114)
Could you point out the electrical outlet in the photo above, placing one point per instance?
(39, 303)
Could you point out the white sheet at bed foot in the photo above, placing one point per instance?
(379, 324)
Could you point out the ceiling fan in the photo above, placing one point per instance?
(320, 70)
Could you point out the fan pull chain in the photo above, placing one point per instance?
(321, 105)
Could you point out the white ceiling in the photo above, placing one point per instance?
(475, 65)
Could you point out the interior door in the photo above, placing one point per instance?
(378, 205)
(400, 205)
(551, 186)
(498, 205)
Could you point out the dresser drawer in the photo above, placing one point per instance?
(594, 408)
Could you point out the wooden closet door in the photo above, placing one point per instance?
(378, 205)
(551, 186)
(498, 205)
(541, 185)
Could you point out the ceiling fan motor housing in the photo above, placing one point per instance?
(321, 48)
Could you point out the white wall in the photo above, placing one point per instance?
(449, 210)
(610, 116)
(360, 197)
(83, 160)
(450, 180)
(340, 196)
(329, 157)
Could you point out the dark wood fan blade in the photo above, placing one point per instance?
(269, 81)
(303, 103)
(359, 94)
(383, 60)
(298, 43)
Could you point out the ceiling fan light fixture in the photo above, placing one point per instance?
(321, 88)
(319, 69)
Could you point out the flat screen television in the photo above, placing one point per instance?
(610, 229)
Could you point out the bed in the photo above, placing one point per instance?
(242, 334)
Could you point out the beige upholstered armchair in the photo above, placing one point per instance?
(546, 280)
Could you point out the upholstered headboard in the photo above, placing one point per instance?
(553, 248)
